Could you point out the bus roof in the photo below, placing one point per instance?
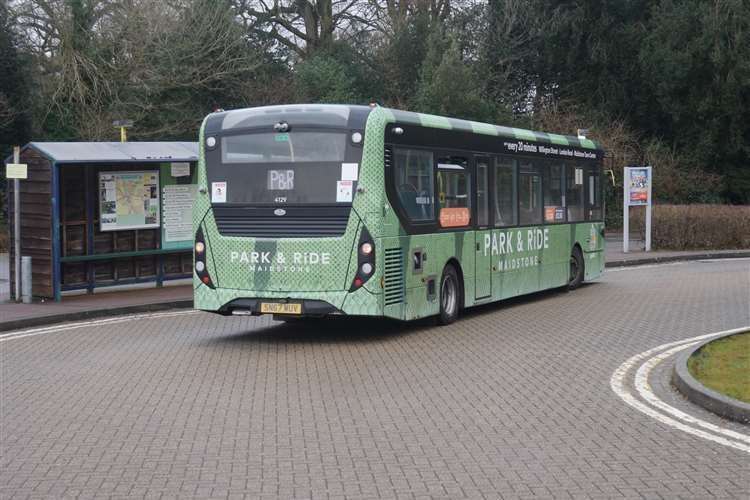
(354, 116)
(441, 122)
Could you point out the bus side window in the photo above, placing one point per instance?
(414, 183)
(529, 194)
(454, 196)
(505, 193)
(594, 193)
(553, 192)
(483, 201)
(574, 192)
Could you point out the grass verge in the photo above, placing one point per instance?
(724, 366)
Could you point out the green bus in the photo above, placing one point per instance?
(318, 210)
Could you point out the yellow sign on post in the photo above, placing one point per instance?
(16, 171)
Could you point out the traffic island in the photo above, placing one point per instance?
(711, 372)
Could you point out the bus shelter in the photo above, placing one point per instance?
(96, 214)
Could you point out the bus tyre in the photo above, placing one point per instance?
(577, 269)
(449, 296)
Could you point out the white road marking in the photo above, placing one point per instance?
(673, 263)
(642, 266)
(726, 259)
(644, 389)
(94, 322)
(617, 383)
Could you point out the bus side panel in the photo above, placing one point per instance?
(528, 259)
(363, 302)
(589, 236)
(415, 303)
(393, 260)
(555, 266)
(439, 249)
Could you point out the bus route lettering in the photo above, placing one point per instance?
(297, 258)
(501, 243)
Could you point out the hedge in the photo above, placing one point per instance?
(696, 227)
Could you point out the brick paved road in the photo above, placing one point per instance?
(512, 401)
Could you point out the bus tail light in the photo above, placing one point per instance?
(365, 260)
(199, 255)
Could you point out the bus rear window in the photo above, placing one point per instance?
(295, 167)
(288, 147)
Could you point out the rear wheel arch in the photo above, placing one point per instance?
(449, 294)
(577, 271)
(459, 271)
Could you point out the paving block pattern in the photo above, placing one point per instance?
(512, 401)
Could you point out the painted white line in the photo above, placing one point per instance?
(725, 259)
(644, 389)
(674, 263)
(617, 383)
(643, 266)
(91, 323)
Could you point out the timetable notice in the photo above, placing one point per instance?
(178, 212)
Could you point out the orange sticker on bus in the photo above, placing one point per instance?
(455, 217)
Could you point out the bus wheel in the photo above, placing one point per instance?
(576, 269)
(449, 296)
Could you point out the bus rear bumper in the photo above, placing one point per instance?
(307, 307)
(248, 302)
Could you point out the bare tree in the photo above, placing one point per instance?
(102, 60)
(303, 26)
(7, 113)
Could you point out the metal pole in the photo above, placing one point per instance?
(26, 279)
(648, 211)
(17, 227)
(648, 227)
(625, 211)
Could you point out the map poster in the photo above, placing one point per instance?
(128, 200)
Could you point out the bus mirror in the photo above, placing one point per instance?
(612, 175)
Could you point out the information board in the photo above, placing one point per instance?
(636, 192)
(128, 200)
(178, 202)
(638, 181)
(16, 171)
(178, 192)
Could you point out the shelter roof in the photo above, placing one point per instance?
(120, 152)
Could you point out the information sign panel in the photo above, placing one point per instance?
(178, 193)
(16, 171)
(128, 200)
(638, 182)
(178, 202)
(636, 191)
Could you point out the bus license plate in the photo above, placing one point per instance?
(280, 308)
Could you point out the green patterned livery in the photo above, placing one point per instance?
(317, 210)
